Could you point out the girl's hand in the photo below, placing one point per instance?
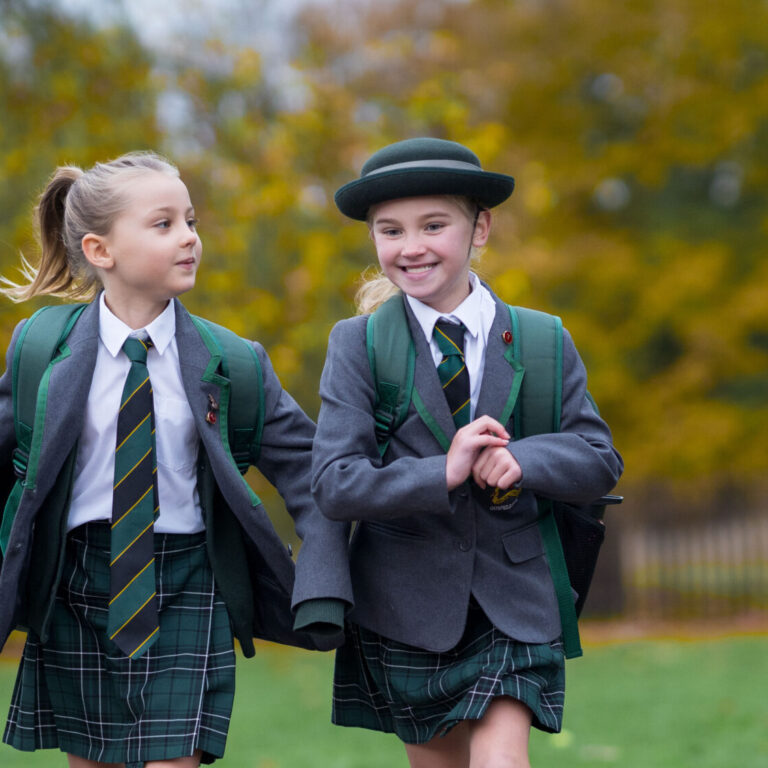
(468, 443)
(496, 467)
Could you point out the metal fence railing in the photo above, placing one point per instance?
(692, 570)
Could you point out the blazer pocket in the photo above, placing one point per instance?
(523, 544)
(395, 531)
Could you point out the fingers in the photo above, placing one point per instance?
(475, 437)
(504, 481)
(485, 440)
(469, 443)
(486, 424)
(496, 467)
(462, 454)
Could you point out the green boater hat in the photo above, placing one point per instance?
(417, 167)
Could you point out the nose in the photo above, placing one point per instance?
(188, 237)
(413, 246)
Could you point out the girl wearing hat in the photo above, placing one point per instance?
(453, 643)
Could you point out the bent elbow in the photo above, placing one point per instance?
(612, 471)
(332, 504)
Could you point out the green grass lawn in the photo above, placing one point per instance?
(646, 704)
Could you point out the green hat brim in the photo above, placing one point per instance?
(488, 189)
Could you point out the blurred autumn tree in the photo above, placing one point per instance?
(68, 94)
(636, 131)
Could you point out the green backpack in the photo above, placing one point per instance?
(572, 536)
(43, 342)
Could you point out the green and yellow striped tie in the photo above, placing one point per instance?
(452, 370)
(132, 622)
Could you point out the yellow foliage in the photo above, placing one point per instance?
(636, 133)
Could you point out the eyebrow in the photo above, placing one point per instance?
(169, 209)
(428, 215)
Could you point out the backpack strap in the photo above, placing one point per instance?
(41, 343)
(392, 364)
(243, 413)
(392, 357)
(538, 345)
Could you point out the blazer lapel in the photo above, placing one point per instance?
(503, 374)
(200, 376)
(206, 388)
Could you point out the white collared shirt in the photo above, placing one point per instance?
(477, 312)
(176, 437)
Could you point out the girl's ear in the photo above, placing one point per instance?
(96, 251)
(482, 228)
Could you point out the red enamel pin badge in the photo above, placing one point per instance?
(210, 417)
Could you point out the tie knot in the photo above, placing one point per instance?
(450, 337)
(136, 349)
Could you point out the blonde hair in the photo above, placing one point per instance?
(376, 287)
(73, 204)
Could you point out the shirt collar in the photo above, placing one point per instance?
(468, 312)
(113, 332)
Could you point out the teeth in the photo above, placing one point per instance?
(418, 270)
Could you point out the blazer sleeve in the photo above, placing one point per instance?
(349, 479)
(578, 464)
(285, 460)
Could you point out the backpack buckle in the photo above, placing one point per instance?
(20, 460)
(383, 421)
(242, 460)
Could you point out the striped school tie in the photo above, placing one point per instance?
(452, 371)
(132, 622)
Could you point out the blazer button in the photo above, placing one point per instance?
(465, 545)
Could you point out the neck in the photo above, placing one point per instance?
(135, 314)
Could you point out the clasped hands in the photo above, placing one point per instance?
(480, 449)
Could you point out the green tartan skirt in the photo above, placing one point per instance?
(77, 692)
(384, 685)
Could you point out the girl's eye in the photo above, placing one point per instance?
(192, 223)
(163, 224)
(434, 226)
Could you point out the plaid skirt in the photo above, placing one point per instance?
(383, 685)
(79, 693)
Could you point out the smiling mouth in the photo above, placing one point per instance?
(418, 270)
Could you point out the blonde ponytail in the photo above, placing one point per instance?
(54, 275)
(73, 204)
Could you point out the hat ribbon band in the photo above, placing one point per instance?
(458, 165)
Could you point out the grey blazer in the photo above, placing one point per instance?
(241, 538)
(418, 552)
